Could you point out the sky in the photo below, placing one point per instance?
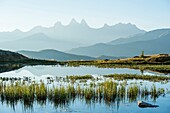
(26, 14)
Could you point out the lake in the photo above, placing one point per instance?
(79, 105)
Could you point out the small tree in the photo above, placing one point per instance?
(142, 54)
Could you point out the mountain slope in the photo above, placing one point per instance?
(54, 54)
(14, 35)
(37, 41)
(151, 35)
(156, 46)
(10, 56)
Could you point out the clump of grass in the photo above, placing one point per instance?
(41, 91)
(144, 92)
(132, 92)
(110, 90)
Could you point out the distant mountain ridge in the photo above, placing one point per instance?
(74, 35)
(151, 45)
(80, 39)
(37, 41)
(82, 32)
(50, 54)
(151, 35)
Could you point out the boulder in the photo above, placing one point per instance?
(143, 104)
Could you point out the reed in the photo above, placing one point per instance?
(110, 90)
(133, 92)
(122, 92)
(153, 91)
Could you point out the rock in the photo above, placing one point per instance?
(144, 104)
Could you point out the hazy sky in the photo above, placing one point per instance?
(25, 14)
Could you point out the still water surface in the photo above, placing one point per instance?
(81, 106)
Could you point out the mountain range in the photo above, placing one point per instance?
(36, 41)
(51, 54)
(151, 35)
(65, 37)
(78, 41)
(153, 42)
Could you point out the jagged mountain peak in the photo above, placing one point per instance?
(58, 23)
(106, 25)
(17, 31)
(73, 22)
(83, 22)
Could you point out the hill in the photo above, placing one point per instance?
(54, 55)
(11, 56)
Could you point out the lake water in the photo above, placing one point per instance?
(81, 106)
(41, 71)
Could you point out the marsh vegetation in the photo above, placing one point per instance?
(97, 90)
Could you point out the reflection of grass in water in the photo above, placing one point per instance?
(108, 92)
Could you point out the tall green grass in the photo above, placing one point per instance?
(108, 92)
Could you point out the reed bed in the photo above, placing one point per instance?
(108, 92)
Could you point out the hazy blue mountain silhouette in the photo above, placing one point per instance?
(77, 34)
(151, 45)
(81, 32)
(54, 54)
(37, 41)
(142, 37)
